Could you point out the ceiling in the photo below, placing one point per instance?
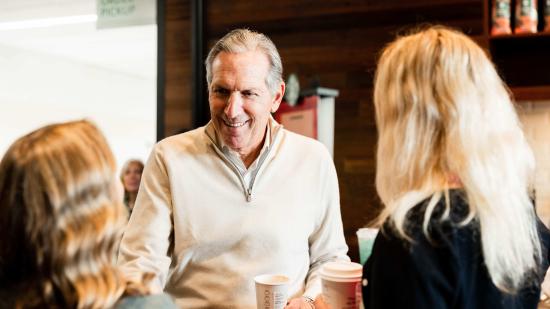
(128, 50)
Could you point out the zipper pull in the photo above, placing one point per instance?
(248, 195)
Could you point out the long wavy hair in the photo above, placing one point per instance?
(443, 113)
(61, 219)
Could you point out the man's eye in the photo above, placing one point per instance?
(221, 91)
(249, 94)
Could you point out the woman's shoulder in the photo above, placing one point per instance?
(457, 212)
(448, 229)
(161, 301)
(444, 217)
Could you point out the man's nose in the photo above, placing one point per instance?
(234, 105)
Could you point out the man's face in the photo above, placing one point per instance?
(240, 101)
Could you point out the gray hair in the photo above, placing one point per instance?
(243, 40)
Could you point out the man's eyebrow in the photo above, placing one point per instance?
(256, 89)
(218, 85)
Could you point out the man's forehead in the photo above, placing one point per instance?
(246, 66)
(254, 58)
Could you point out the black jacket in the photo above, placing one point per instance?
(446, 272)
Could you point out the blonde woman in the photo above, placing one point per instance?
(61, 219)
(453, 173)
(130, 176)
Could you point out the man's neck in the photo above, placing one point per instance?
(251, 156)
(248, 156)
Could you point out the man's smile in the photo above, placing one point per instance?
(235, 124)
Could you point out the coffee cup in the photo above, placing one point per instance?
(341, 284)
(271, 291)
(365, 238)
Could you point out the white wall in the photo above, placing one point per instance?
(62, 71)
(66, 71)
(37, 89)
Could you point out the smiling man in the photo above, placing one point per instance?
(241, 102)
(239, 197)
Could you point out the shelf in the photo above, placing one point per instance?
(274, 17)
(521, 36)
(535, 93)
(521, 59)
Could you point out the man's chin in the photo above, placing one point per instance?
(234, 146)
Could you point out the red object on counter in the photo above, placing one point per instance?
(301, 118)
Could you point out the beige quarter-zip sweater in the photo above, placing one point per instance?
(205, 232)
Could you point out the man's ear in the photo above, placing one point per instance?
(278, 97)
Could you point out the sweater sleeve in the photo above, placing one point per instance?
(404, 275)
(146, 241)
(327, 242)
(159, 301)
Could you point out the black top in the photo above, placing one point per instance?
(448, 272)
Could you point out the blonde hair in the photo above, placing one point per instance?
(441, 111)
(61, 219)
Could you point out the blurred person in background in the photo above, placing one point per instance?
(239, 197)
(61, 220)
(454, 173)
(130, 175)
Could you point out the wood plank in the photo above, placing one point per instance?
(536, 93)
(177, 66)
(283, 15)
(337, 43)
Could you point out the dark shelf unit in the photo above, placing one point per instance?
(533, 93)
(521, 36)
(522, 60)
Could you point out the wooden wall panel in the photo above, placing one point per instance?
(177, 71)
(337, 43)
(332, 41)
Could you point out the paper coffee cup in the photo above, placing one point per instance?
(365, 238)
(341, 282)
(271, 291)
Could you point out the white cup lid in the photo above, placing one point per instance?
(272, 279)
(367, 232)
(342, 270)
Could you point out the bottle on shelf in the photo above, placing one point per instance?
(526, 16)
(500, 16)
